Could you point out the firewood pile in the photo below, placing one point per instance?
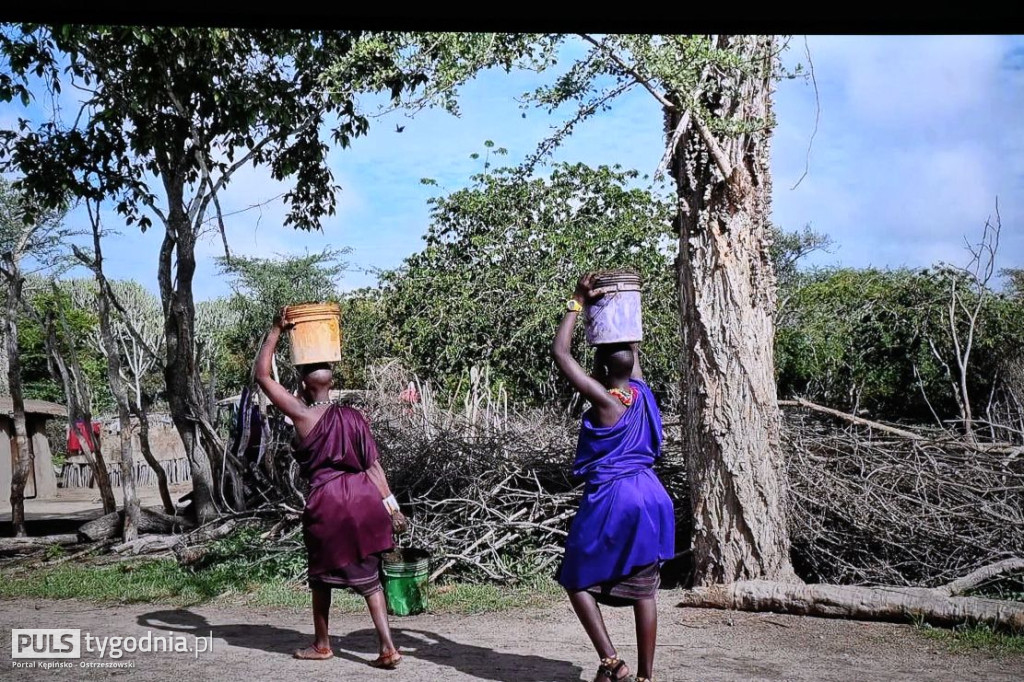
(870, 507)
(493, 497)
(488, 489)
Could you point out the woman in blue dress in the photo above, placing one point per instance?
(625, 526)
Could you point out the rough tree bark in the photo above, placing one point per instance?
(150, 521)
(727, 301)
(184, 389)
(22, 543)
(22, 443)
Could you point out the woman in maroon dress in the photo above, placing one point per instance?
(350, 512)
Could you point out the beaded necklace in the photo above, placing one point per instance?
(625, 396)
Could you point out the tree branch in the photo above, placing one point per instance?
(975, 578)
(800, 402)
(712, 144)
(670, 150)
(109, 292)
(645, 82)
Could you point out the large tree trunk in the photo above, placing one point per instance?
(22, 442)
(727, 302)
(22, 543)
(150, 521)
(184, 391)
(120, 392)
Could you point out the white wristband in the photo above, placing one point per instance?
(391, 504)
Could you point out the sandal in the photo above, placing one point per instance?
(314, 653)
(609, 669)
(387, 661)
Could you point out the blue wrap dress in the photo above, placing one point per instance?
(625, 525)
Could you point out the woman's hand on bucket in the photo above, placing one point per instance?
(585, 292)
(398, 522)
(281, 320)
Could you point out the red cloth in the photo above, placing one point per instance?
(81, 432)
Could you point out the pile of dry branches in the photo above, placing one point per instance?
(899, 507)
(488, 489)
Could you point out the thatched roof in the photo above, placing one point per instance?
(35, 407)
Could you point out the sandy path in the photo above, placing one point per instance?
(521, 646)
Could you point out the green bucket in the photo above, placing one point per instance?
(406, 571)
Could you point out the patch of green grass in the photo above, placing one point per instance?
(240, 567)
(238, 583)
(976, 638)
(160, 580)
(481, 598)
(123, 583)
(243, 569)
(54, 552)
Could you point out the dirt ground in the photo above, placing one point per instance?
(545, 645)
(523, 646)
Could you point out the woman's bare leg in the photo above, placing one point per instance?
(321, 631)
(589, 613)
(645, 613)
(379, 613)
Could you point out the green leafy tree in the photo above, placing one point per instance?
(262, 286)
(715, 93)
(70, 303)
(1014, 282)
(366, 329)
(21, 236)
(879, 341)
(787, 250)
(169, 116)
(501, 258)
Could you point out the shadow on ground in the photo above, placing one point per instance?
(361, 646)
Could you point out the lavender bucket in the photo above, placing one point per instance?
(616, 316)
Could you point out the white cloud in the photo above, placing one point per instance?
(909, 80)
(918, 136)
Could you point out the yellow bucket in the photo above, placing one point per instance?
(316, 336)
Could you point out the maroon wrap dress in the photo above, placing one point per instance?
(345, 525)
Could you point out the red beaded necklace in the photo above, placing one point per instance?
(625, 396)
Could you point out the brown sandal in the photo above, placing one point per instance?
(314, 653)
(387, 661)
(610, 667)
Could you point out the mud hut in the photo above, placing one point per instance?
(42, 480)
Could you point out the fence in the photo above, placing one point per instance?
(75, 475)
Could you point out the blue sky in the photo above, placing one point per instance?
(916, 138)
